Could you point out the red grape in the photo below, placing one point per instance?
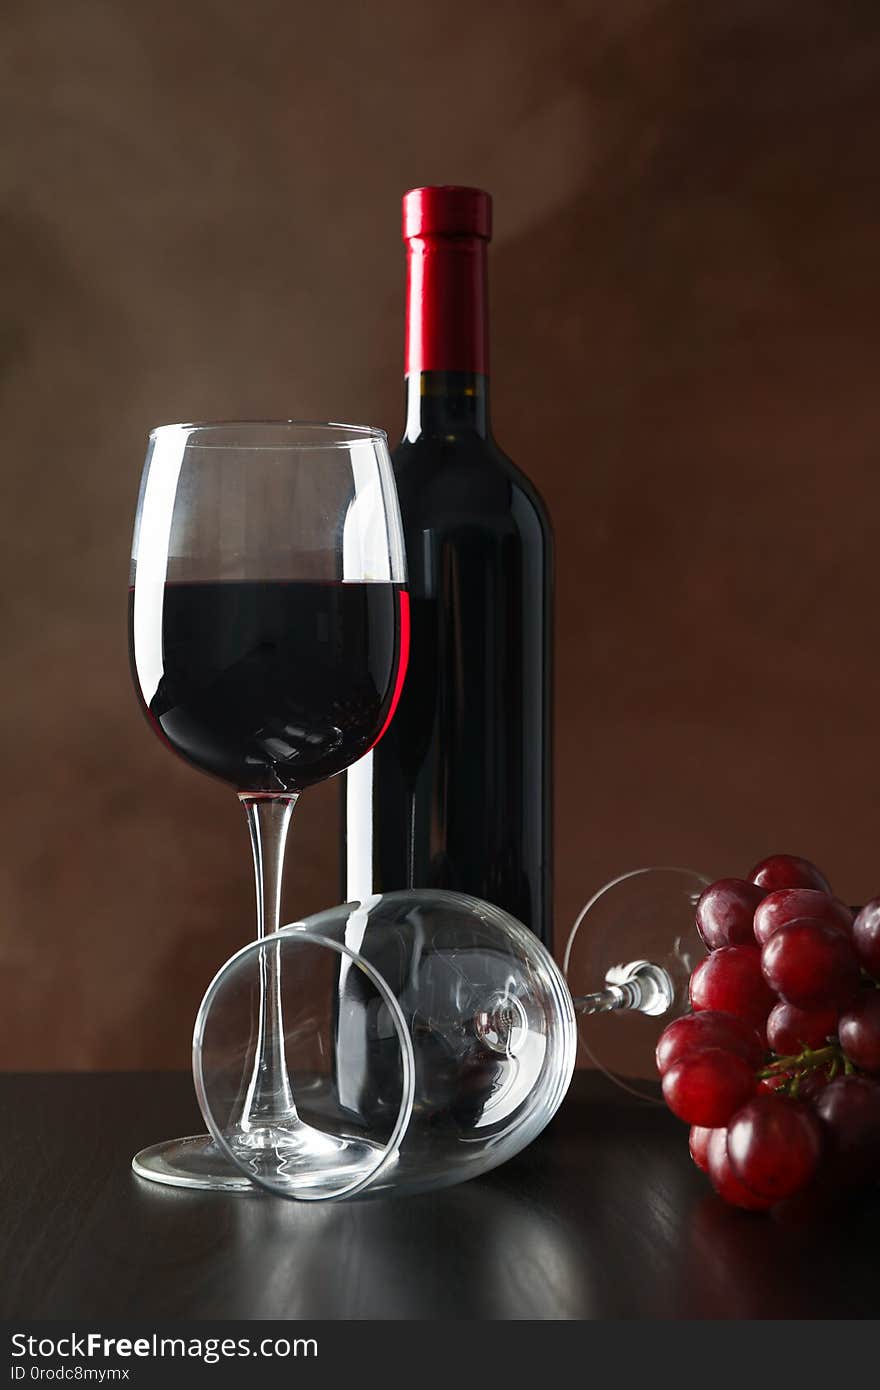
(788, 871)
(699, 1146)
(810, 965)
(726, 911)
(774, 1145)
(790, 1029)
(866, 936)
(725, 1181)
(859, 1031)
(788, 904)
(850, 1108)
(730, 980)
(706, 1085)
(710, 1028)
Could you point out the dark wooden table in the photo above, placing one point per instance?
(603, 1217)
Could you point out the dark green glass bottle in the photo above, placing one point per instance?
(458, 793)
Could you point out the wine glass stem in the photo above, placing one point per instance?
(607, 1000)
(269, 1098)
(641, 986)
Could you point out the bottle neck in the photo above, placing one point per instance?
(446, 404)
(446, 336)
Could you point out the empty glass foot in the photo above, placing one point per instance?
(290, 1158)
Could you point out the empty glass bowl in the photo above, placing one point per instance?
(427, 1037)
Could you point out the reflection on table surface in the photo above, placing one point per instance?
(603, 1217)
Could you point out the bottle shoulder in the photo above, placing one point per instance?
(465, 475)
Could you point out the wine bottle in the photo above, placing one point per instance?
(458, 793)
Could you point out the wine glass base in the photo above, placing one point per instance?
(300, 1159)
(196, 1161)
(644, 916)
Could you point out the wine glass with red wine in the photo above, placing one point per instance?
(269, 629)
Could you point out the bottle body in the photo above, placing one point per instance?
(458, 793)
(461, 783)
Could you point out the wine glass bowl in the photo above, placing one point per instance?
(427, 1029)
(269, 630)
(266, 601)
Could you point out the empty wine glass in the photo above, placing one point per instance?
(269, 631)
(435, 1031)
(426, 1028)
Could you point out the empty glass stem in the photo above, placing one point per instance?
(641, 985)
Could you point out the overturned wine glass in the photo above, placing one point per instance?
(430, 1036)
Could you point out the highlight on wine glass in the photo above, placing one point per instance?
(427, 1036)
(269, 629)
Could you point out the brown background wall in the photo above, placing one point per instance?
(200, 219)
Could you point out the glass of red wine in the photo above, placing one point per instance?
(269, 630)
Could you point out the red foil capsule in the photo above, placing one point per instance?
(447, 231)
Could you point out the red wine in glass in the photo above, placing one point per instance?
(276, 685)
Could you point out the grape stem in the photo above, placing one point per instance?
(807, 1060)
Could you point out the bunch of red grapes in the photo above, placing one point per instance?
(777, 1069)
